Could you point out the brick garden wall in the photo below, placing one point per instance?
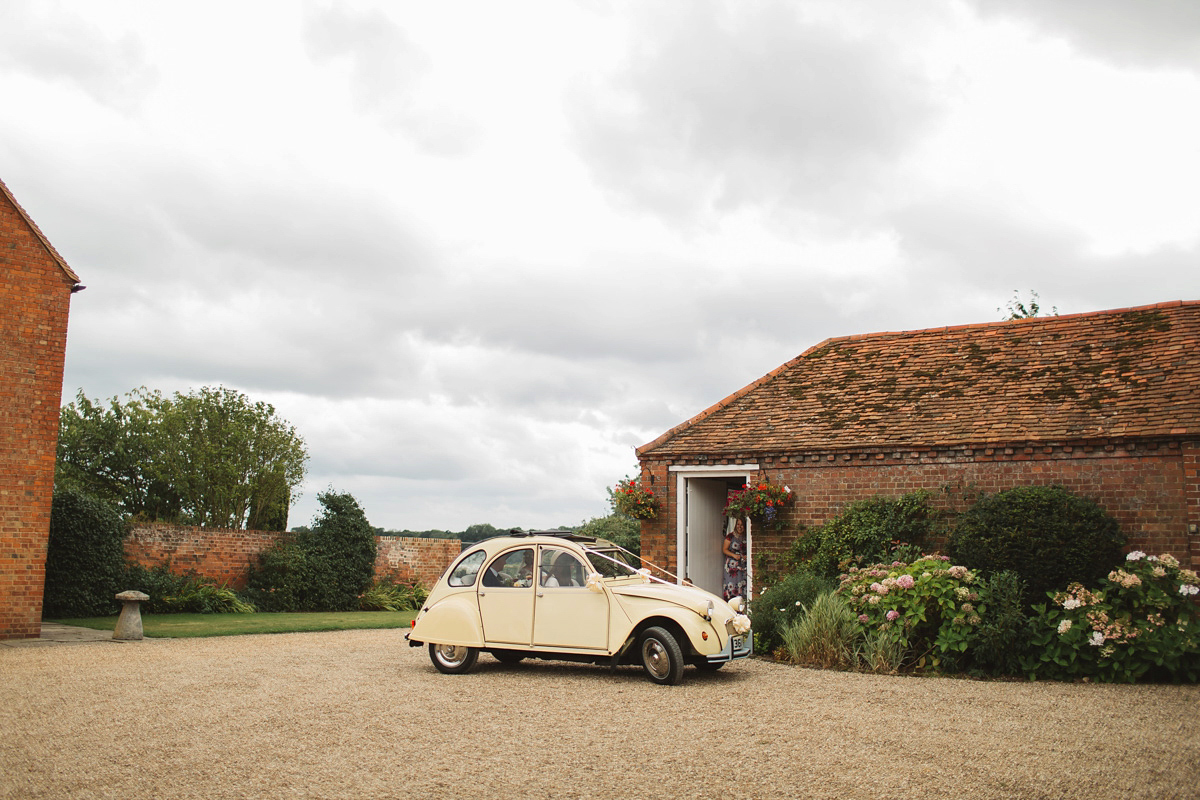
(225, 555)
(1151, 488)
(407, 559)
(35, 297)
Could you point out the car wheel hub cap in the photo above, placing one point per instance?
(654, 656)
(451, 655)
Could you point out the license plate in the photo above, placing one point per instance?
(738, 643)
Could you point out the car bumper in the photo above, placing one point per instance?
(729, 653)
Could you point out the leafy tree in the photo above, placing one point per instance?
(324, 567)
(85, 559)
(111, 452)
(211, 457)
(616, 528)
(1018, 310)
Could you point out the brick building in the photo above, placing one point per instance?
(1104, 404)
(35, 293)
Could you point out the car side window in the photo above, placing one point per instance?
(512, 569)
(560, 569)
(465, 571)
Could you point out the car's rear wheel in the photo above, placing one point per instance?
(661, 656)
(453, 659)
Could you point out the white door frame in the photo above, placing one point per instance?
(682, 475)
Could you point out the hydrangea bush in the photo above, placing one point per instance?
(928, 606)
(1142, 622)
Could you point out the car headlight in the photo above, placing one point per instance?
(737, 604)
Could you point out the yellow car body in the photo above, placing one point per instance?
(564, 597)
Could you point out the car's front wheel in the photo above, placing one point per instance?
(453, 659)
(661, 656)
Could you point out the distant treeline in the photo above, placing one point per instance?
(473, 533)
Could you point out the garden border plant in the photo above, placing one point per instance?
(1142, 622)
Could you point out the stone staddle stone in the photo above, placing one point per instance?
(129, 624)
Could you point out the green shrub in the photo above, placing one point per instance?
(876, 651)
(824, 635)
(284, 579)
(85, 559)
(1142, 623)
(928, 608)
(323, 568)
(183, 594)
(866, 532)
(773, 611)
(388, 596)
(1045, 534)
(998, 644)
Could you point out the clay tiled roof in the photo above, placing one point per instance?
(54, 254)
(1124, 373)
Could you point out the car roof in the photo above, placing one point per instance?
(517, 537)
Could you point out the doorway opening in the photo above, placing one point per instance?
(701, 524)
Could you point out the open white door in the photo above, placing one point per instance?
(705, 504)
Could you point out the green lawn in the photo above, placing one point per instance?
(184, 625)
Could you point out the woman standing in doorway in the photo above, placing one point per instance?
(734, 549)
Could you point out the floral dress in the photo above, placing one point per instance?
(734, 584)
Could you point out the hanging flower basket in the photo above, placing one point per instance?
(634, 500)
(762, 502)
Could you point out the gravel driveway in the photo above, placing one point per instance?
(359, 714)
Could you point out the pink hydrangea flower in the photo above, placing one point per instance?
(863, 618)
(893, 615)
(905, 581)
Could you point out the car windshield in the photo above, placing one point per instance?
(611, 562)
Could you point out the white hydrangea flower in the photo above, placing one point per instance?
(1136, 555)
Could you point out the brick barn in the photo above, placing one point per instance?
(35, 294)
(1105, 404)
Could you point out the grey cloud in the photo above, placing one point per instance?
(962, 247)
(386, 65)
(386, 72)
(763, 108)
(55, 46)
(1155, 33)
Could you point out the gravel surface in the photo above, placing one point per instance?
(359, 714)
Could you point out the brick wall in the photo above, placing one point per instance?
(1151, 488)
(406, 559)
(34, 300)
(225, 555)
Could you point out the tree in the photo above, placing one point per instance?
(616, 528)
(85, 559)
(211, 457)
(1018, 310)
(324, 567)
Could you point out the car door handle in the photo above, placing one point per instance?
(541, 594)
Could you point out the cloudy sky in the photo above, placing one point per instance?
(477, 252)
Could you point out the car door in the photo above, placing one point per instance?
(567, 613)
(506, 598)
